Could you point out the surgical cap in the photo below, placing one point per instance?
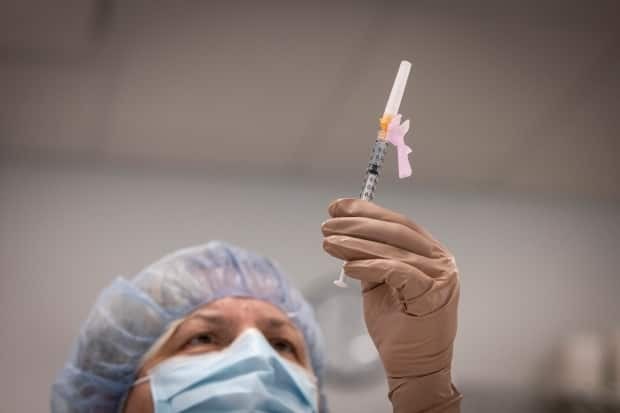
(129, 316)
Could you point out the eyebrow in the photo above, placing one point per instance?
(217, 320)
(274, 323)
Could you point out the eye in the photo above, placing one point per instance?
(283, 346)
(201, 340)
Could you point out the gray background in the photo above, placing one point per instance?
(130, 129)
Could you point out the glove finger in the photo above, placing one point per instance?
(350, 249)
(353, 207)
(408, 282)
(387, 232)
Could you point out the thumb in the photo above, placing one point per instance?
(408, 281)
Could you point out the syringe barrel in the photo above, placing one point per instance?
(374, 166)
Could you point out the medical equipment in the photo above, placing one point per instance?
(410, 294)
(392, 131)
(249, 375)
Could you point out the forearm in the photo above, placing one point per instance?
(433, 393)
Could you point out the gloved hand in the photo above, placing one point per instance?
(410, 290)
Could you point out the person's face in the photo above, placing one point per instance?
(212, 328)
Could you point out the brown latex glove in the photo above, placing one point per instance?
(410, 291)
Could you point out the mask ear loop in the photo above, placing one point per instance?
(152, 350)
(141, 380)
(121, 405)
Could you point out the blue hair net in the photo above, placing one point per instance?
(129, 316)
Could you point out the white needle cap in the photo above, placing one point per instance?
(398, 89)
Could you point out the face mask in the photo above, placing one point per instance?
(249, 375)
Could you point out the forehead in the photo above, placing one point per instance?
(243, 309)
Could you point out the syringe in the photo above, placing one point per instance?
(378, 150)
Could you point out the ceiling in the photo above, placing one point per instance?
(521, 96)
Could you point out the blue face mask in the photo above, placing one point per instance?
(249, 375)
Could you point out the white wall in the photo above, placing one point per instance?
(532, 269)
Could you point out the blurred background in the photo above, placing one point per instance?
(129, 129)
